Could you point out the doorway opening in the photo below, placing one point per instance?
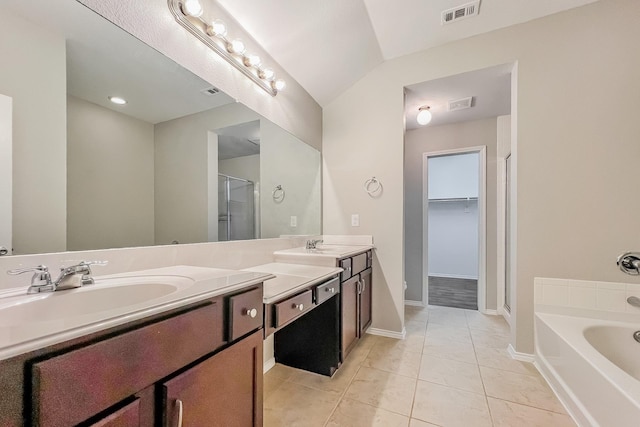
(454, 227)
(460, 114)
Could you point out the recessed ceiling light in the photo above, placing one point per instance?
(117, 100)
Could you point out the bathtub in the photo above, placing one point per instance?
(594, 367)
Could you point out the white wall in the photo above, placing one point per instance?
(293, 109)
(453, 239)
(33, 73)
(296, 167)
(245, 167)
(186, 171)
(571, 154)
(438, 138)
(453, 176)
(109, 178)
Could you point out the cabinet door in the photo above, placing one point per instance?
(224, 390)
(349, 310)
(128, 416)
(365, 301)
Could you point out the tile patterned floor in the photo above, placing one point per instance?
(453, 369)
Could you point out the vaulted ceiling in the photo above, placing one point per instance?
(328, 45)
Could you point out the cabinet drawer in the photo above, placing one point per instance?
(359, 263)
(74, 386)
(128, 416)
(245, 313)
(346, 265)
(327, 290)
(293, 307)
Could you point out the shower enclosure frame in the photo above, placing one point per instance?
(228, 179)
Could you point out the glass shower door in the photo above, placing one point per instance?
(236, 209)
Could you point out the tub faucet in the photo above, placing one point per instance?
(41, 279)
(311, 244)
(629, 262)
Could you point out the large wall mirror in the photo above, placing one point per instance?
(180, 162)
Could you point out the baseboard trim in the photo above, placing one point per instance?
(490, 312)
(452, 276)
(387, 333)
(413, 303)
(523, 357)
(268, 364)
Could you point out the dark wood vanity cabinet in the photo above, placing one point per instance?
(205, 358)
(220, 391)
(356, 300)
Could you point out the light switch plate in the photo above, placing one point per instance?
(294, 221)
(355, 220)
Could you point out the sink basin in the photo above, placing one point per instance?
(110, 295)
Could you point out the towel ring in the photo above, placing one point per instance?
(278, 194)
(373, 186)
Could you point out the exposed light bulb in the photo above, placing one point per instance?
(424, 116)
(251, 60)
(279, 85)
(117, 100)
(236, 46)
(266, 74)
(217, 28)
(192, 8)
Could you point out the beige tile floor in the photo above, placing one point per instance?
(453, 369)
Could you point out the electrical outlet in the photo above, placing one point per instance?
(355, 220)
(294, 221)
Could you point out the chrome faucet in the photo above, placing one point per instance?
(311, 244)
(629, 262)
(41, 279)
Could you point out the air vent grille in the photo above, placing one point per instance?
(461, 12)
(210, 91)
(461, 104)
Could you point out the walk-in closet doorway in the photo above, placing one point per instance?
(454, 228)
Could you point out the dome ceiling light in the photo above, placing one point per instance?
(424, 115)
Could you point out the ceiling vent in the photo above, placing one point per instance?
(461, 12)
(461, 104)
(210, 91)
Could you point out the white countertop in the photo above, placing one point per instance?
(290, 278)
(55, 317)
(324, 255)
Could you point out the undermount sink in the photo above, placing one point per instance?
(105, 295)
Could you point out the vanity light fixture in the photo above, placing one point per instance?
(424, 115)
(117, 100)
(189, 14)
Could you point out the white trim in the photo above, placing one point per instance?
(268, 364)
(523, 357)
(453, 276)
(413, 303)
(482, 221)
(491, 312)
(387, 333)
(505, 314)
(565, 395)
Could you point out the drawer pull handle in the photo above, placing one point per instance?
(251, 312)
(332, 290)
(179, 403)
(298, 306)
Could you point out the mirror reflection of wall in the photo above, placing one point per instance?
(137, 174)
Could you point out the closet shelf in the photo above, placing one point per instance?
(453, 199)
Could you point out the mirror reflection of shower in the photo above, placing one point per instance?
(238, 181)
(236, 208)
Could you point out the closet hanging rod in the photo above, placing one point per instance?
(453, 199)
